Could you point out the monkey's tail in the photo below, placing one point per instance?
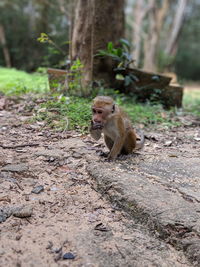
(140, 144)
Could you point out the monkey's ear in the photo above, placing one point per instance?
(113, 108)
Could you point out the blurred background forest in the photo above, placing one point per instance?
(164, 34)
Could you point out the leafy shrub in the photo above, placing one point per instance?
(123, 58)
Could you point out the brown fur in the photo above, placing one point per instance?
(113, 122)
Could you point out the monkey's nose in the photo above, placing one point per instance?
(96, 121)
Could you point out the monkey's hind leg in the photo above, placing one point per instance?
(109, 142)
(130, 143)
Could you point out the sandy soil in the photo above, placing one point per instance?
(50, 210)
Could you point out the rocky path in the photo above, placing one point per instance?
(55, 193)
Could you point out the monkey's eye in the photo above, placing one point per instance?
(93, 110)
(100, 112)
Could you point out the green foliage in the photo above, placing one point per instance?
(23, 22)
(120, 54)
(74, 78)
(15, 82)
(74, 113)
(191, 100)
(146, 114)
(65, 113)
(187, 62)
(71, 82)
(45, 38)
(123, 58)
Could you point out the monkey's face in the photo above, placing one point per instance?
(99, 117)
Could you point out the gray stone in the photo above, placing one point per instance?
(77, 155)
(22, 211)
(52, 153)
(38, 189)
(15, 168)
(5, 213)
(146, 195)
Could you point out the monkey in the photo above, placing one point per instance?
(109, 119)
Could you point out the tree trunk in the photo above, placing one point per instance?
(4, 46)
(140, 10)
(97, 22)
(176, 27)
(156, 20)
(81, 44)
(151, 41)
(68, 9)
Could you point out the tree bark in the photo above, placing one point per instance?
(81, 44)
(140, 10)
(68, 9)
(156, 20)
(4, 46)
(97, 22)
(176, 27)
(151, 40)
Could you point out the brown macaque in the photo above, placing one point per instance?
(113, 122)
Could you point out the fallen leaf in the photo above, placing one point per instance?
(2, 103)
(101, 227)
(168, 143)
(173, 156)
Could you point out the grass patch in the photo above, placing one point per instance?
(60, 112)
(65, 113)
(148, 115)
(191, 100)
(16, 82)
(68, 113)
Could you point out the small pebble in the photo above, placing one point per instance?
(38, 189)
(18, 237)
(68, 256)
(22, 211)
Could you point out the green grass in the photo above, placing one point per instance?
(65, 113)
(191, 100)
(16, 82)
(60, 112)
(149, 115)
(70, 113)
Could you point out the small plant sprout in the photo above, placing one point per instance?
(44, 38)
(123, 58)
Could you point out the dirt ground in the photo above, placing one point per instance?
(51, 212)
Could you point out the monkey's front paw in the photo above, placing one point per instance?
(103, 154)
(97, 126)
(110, 159)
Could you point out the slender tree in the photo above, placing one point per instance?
(4, 46)
(156, 18)
(97, 22)
(151, 21)
(176, 27)
(140, 10)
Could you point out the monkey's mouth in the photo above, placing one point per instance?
(97, 126)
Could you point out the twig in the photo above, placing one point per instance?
(20, 187)
(5, 198)
(54, 204)
(123, 256)
(16, 146)
(28, 220)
